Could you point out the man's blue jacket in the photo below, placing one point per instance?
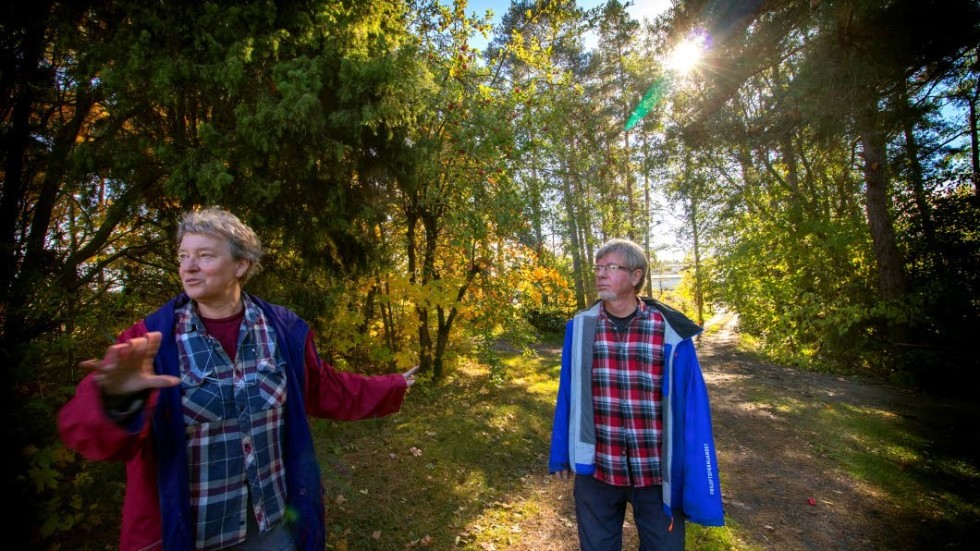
(690, 468)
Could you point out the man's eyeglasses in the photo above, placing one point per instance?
(612, 268)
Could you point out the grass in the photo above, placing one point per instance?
(462, 466)
(451, 470)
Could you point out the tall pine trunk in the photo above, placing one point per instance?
(891, 273)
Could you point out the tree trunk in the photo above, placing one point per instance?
(891, 274)
(698, 289)
(426, 349)
(575, 246)
(974, 146)
(646, 215)
(446, 319)
(411, 242)
(28, 81)
(388, 321)
(915, 175)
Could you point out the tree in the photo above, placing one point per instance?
(118, 116)
(544, 64)
(827, 74)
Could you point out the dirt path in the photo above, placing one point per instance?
(770, 470)
(778, 488)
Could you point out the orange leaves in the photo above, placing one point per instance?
(541, 281)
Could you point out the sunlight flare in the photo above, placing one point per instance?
(686, 54)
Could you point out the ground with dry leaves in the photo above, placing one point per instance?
(780, 491)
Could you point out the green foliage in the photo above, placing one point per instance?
(788, 303)
(80, 501)
(945, 306)
(805, 242)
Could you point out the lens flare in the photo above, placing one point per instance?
(686, 55)
(649, 101)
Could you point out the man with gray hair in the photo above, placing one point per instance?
(206, 400)
(632, 418)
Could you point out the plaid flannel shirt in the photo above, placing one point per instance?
(233, 413)
(627, 371)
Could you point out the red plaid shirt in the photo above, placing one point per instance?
(627, 370)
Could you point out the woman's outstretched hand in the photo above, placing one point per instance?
(410, 375)
(127, 368)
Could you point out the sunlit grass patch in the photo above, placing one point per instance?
(537, 374)
(500, 525)
(702, 538)
(881, 449)
(871, 444)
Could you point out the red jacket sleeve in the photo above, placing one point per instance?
(85, 426)
(333, 394)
